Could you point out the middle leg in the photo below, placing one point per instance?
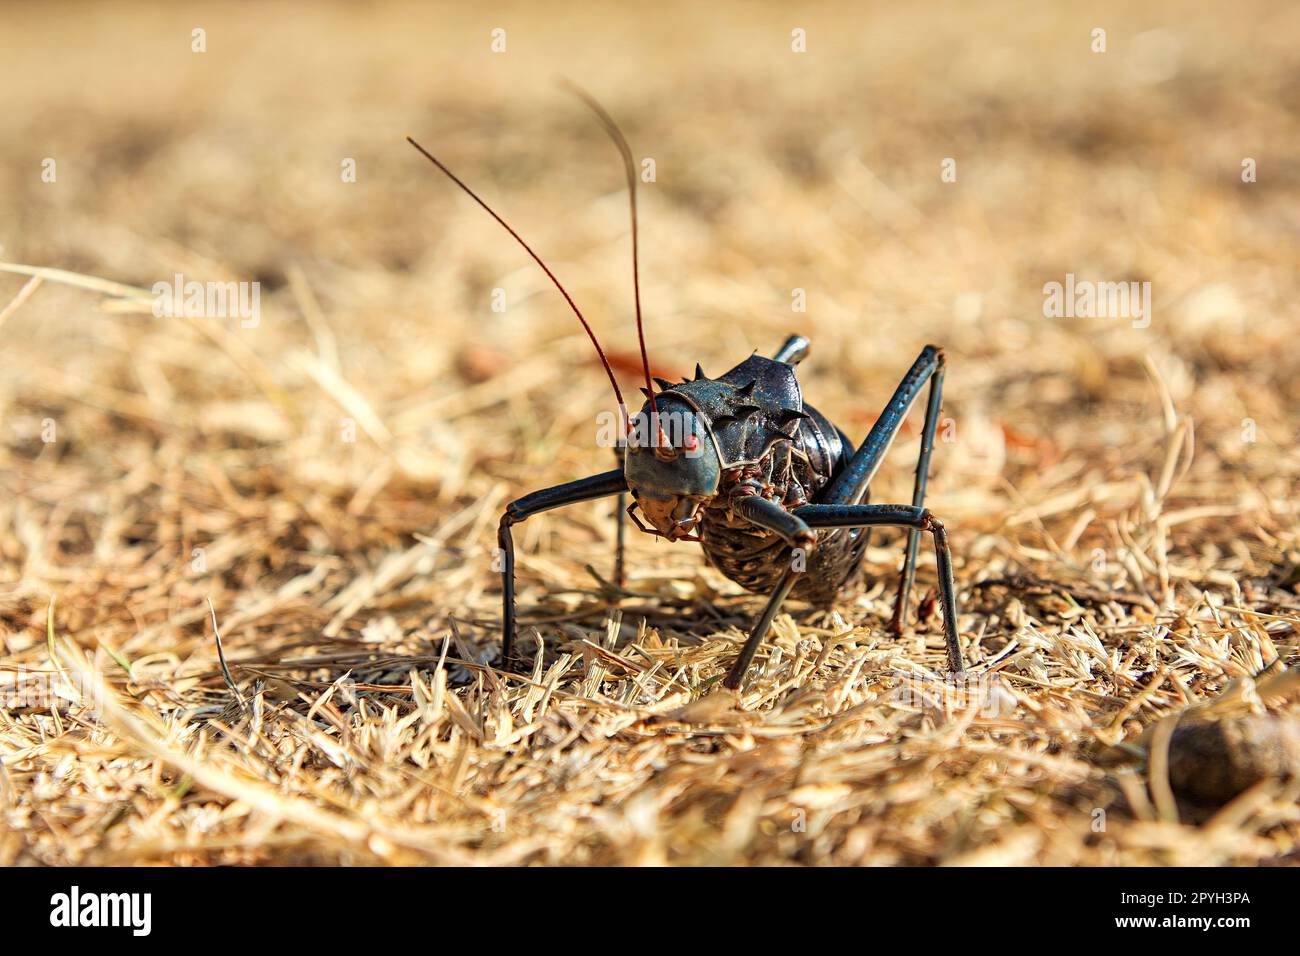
(901, 516)
(767, 514)
(811, 517)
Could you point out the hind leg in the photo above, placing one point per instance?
(852, 484)
(933, 404)
(793, 351)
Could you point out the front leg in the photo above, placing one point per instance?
(620, 530)
(584, 489)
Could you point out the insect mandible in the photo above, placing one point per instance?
(774, 492)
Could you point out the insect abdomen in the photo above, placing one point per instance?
(757, 561)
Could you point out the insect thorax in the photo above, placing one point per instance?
(755, 417)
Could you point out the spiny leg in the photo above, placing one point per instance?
(933, 405)
(901, 516)
(852, 483)
(584, 489)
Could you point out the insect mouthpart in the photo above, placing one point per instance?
(674, 517)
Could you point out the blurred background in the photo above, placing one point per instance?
(775, 171)
(382, 401)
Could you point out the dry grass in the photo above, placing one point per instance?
(1123, 553)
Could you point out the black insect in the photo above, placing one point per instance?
(774, 492)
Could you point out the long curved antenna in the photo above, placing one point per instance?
(629, 167)
(538, 259)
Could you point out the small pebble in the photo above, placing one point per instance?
(1210, 762)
